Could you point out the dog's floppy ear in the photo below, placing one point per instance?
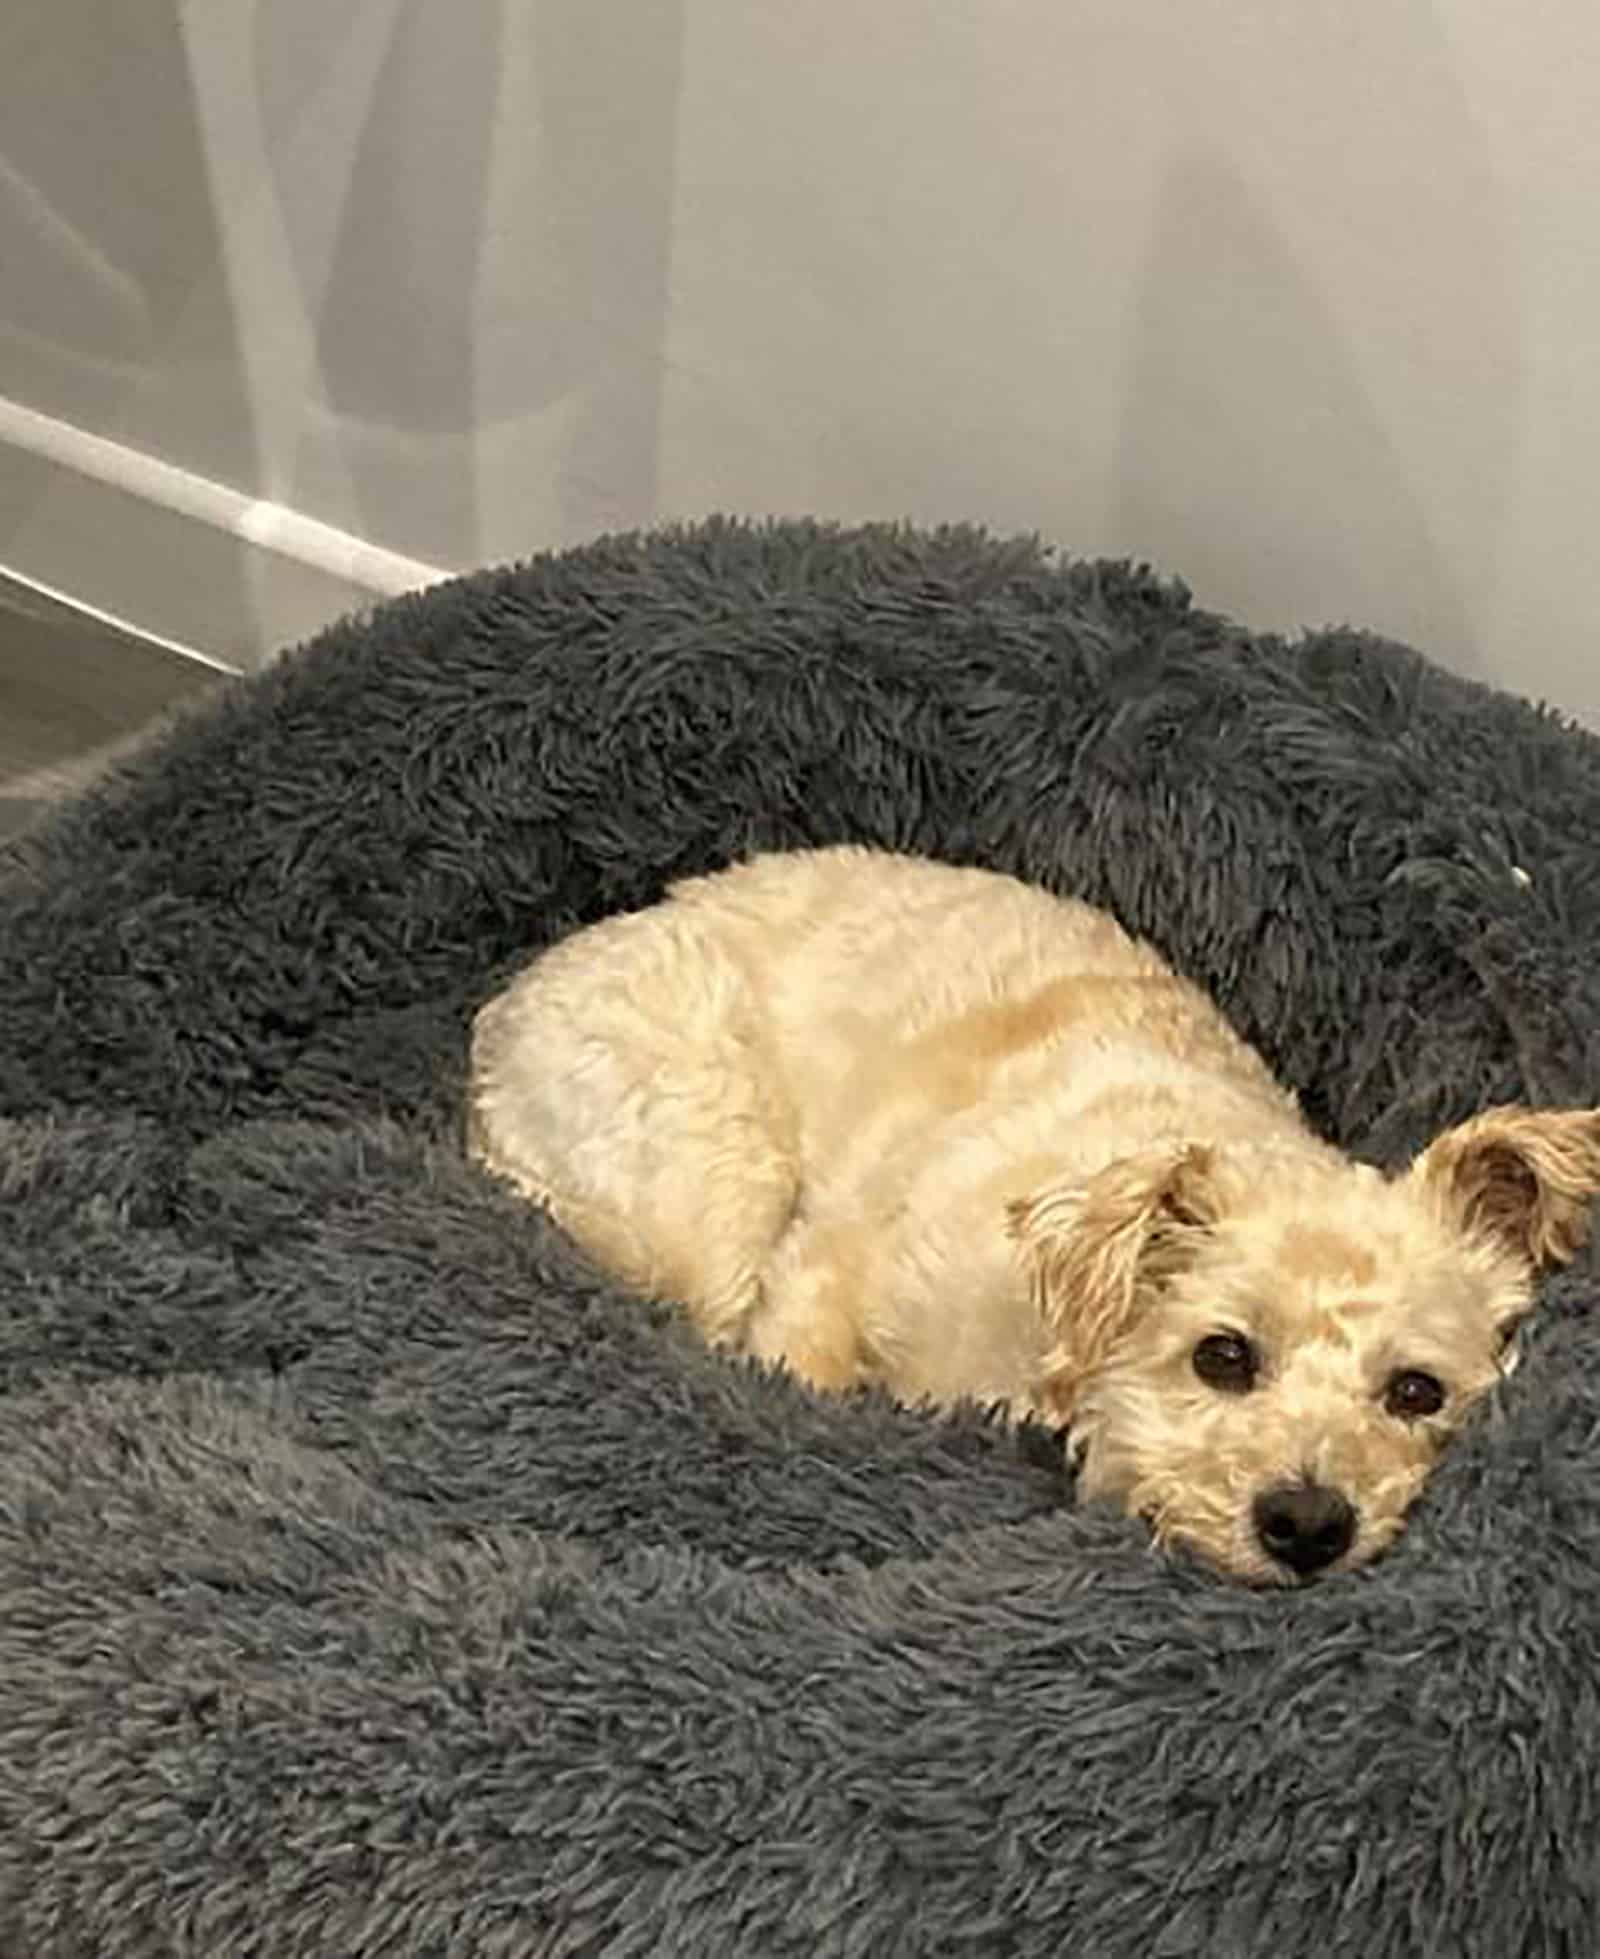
(1522, 1178)
(1097, 1250)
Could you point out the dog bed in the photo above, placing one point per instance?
(375, 1579)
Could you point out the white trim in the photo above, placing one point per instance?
(255, 520)
(9, 575)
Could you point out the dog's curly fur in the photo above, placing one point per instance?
(887, 1120)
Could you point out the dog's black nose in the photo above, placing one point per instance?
(1305, 1526)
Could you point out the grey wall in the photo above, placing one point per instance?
(1298, 301)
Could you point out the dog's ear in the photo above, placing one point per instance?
(1522, 1178)
(1098, 1250)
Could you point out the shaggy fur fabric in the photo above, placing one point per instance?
(373, 1579)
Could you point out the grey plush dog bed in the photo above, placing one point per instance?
(374, 1579)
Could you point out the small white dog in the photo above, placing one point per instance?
(885, 1120)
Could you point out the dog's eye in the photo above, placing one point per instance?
(1410, 1395)
(1227, 1361)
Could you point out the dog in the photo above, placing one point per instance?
(885, 1120)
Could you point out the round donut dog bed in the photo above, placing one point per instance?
(376, 1579)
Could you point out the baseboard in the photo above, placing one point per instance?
(17, 587)
(174, 557)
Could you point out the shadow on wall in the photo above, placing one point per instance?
(608, 81)
(1310, 454)
(500, 255)
(115, 315)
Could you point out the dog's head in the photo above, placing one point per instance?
(1264, 1354)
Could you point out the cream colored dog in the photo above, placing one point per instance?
(884, 1120)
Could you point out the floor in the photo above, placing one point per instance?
(73, 693)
